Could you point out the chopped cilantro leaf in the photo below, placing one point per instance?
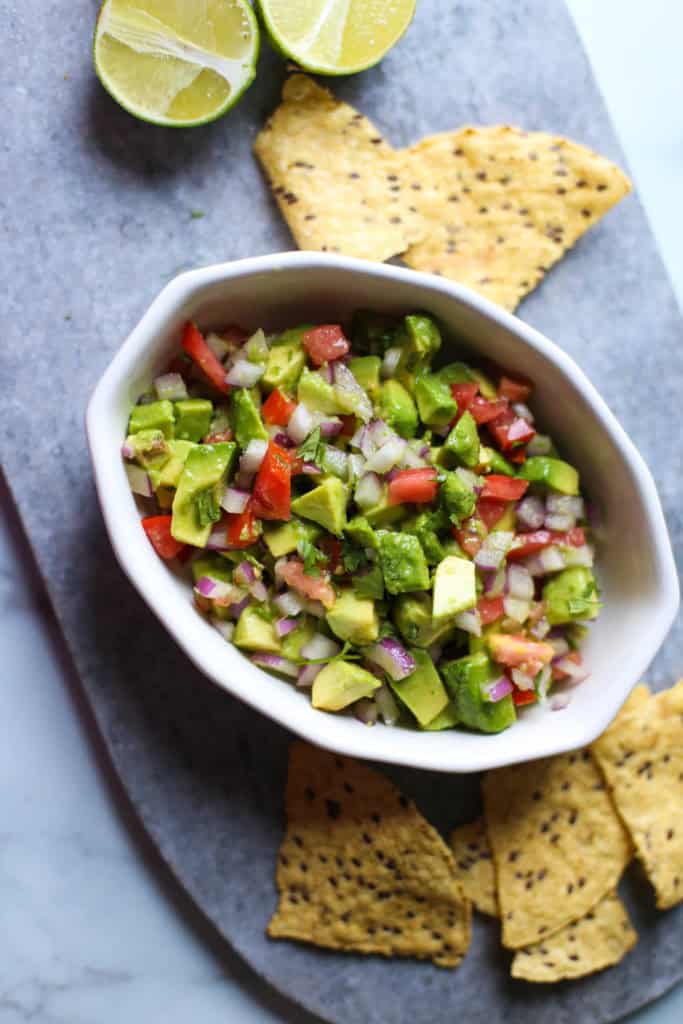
(353, 556)
(311, 449)
(312, 556)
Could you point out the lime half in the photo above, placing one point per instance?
(336, 37)
(177, 63)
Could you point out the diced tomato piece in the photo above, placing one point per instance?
(158, 530)
(333, 549)
(491, 511)
(513, 390)
(348, 426)
(504, 488)
(241, 530)
(277, 408)
(520, 431)
(413, 485)
(325, 343)
(272, 494)
(490, 609)
(463, 394)
(526, 544)
(574, 538)
(318, 588)
(517, 652)
(499, 427)
(484, 411)
(574, 656)
(197, 349)
(468, 537)
(522, 697)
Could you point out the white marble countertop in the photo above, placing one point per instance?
(91, 934)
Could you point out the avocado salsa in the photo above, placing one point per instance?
(387, 530)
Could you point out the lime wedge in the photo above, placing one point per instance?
(336, 37)
(179, 63)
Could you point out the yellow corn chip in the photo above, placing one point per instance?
(641, 755)
(600, 939)
(474, 866)
(502, 205)
(558, 844)
(361, 870)
(339, 185)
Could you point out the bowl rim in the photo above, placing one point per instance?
(354, 742)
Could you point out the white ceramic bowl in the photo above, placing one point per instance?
(635, 563)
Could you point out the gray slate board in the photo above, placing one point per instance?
(96, 212)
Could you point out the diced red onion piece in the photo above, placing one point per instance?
(253, 456)
(551, 559)
(300, 424)
(523, 411)
(470, 479)
(392, 657)
(205, 585)
(226, 629)
(516, 608)
(560, 701)
(139, 481)
(585, 555)
(530, 513)
(540, 629)
(284, 440)
(310, 469)
(346, 384)
(127, 451)
(388, 708)
(259, 591)
(234, 501)
(330, 426)
(307, 674)
(518, 429)
(565, 504)
(576, 673)
(335, 461)
(170, 386)
(411, 460)
(522, 680)
(369, 490)
(285, 626)
(319, 646)
(239, 606)
(519, 582)
(494, 549)
(543, 682)
(559, 522)
(469, 621)
(218, 539)
(386, 457)
(559, 645)
(496, 690)
(366, 711)
(494, 582)
(276, 663)
(380, 433)
(540, 444)
(356, 467)
(355, 441)
(289, 603)
(392, 358)
(243, 374)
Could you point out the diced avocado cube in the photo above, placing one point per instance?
(413, 617)
(254, 633)
(196, 505)
(403, 563)
(373, 332)
(422, 691)
(291, 644)
(361, 533)
(282, 540)
(340, 684)
(325, 505)
(153, 416)
(286, 360)
(456, 497)
(465, 678)
(446, 719)
(424, 527)
(463, 441)
(317, 393)
(556, 474)
(486, 385)
(421, 340)
(397, 408)
(384, 514)
(494, 462)
(169, 474)
(366, 371)
(455, 588)
(369, 583)
(192, 418)
(211, 565)
(572, 594)
(151, 449)
(455, 373)
(246, 418)
(436, 405)
(353, 618)
(220, 421)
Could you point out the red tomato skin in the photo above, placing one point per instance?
(194, 344)
(464, 394)
(504, 488)
(484, 411)
(468, 538)
(272, 493)
(413, 486)
(277, 408)
(158, 530)
(325, 343)
(522, 697)
(531, 543)
(490, 609)
(513, 390)
(491, 511)
(241, 529)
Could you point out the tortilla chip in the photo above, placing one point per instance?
(502, 205)
(339, 185)
(600, 939)
(641, 756)
(557, 842)
(474, 866)
(361, 870)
